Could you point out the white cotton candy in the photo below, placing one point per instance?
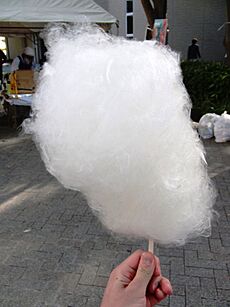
(111, 119)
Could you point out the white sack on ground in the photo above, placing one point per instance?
(206, 125)
(111, 119)
(222, 128)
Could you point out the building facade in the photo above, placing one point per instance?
(187, 19)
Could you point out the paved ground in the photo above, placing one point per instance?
(54, 252)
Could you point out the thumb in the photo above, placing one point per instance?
(144, 273)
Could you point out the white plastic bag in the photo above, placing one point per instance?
(222, 128)
(206, 125)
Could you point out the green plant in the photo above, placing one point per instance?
(208, 84)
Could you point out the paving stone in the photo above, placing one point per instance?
(177, 301)
(101, 243)
(193, 296)
(105, 268)
(177, 266)
(69, 282)
(179, 290)
(185, 280)
(63, 267)
(19, 297)
(92, 302)
(198, 246)
(190, 257)
(215, 233)
(101, 281)
(46, 298)
(199, 272)
(172, 252)
(93, 292)
(225, 239)
(223, 294)
(89, 275)
(208, 288)
(165, 270)
(208, 264)
(207, 255)
(214, 303)
(49, 265)
(222, 279)
(70, 300)
(216, 245)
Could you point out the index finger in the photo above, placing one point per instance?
(157, 271)
(156, 278)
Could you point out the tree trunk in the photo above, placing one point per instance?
(159, 10)
(149, 12)
(154, 9)
(227, 33)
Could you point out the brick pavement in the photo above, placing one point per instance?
(54, 252)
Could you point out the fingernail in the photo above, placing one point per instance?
(147, 260)
(156, 282)
(169, 292)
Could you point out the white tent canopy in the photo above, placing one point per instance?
(31, 15)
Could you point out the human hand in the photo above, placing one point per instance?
(136, 282)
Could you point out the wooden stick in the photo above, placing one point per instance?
(151, 246)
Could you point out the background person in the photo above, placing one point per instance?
(3, 59)
(193, 50)
(25, 61)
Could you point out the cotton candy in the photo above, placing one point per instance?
(111, 119)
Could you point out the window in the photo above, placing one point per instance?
(3, 46)
(129, 19)
(129, 6)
